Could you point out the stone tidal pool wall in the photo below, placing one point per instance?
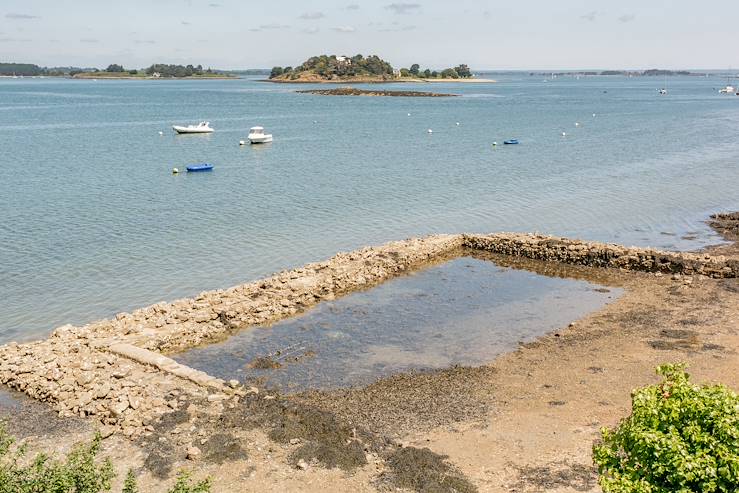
(116, 371)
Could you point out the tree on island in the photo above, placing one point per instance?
(461, 71)
(331, 67)
(115, 68)
(165, 70)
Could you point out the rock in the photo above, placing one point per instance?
(302, 465)
(233, 383)
(193, 453)
(122, 372)
(118, 408)
(106, 431)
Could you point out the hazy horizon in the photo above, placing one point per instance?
(232, 35)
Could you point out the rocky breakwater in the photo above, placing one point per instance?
(80, 379)
(609, 255)
(213, 315)
(113, 370)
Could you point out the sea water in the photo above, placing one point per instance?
(93, 221)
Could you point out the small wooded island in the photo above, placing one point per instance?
(156, 71)
(114, 71)
(360, 69)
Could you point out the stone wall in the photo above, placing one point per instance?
(114, 370)
(609, 255)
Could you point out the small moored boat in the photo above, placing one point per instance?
(511, 142)
(200, 167)
(200, 128)
(257, 136)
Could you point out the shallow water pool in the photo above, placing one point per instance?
(465, 311)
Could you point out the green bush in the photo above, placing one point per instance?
(78, 473)
(680, 438)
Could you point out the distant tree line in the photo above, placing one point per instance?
(461, 71)
(24, 69)
(177, 70)
(332, 66)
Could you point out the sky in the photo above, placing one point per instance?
(485, 34)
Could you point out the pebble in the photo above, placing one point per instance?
(193, 453)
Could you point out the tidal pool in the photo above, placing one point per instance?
(465, 311)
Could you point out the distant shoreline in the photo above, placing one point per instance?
(133, 77)
(360, 80)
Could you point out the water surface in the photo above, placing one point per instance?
(465, 311)
(94, 223)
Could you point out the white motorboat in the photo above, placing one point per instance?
(200, 128)
(257, 136)
(727, 90)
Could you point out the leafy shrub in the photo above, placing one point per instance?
(78, 473)
(680, 437)
(183, 484)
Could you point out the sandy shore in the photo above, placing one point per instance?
(525, 423)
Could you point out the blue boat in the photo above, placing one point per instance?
(200, 167)
(511, 142)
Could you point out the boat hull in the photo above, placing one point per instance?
(262, 139)
(199, 168)
(192, 130)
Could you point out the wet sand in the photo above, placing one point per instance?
(526, 422)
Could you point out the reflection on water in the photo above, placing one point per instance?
(465, 311)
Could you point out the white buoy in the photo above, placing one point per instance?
(241, 143)
(495, 144)
(577, 124)
(175, 171)
(457, 123)
(161, 133)
(593, 115)
(564, 134)
(409, 114)
(431, 131)
(315, 121)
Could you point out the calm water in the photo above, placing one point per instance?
(465, 311)
(94, 223)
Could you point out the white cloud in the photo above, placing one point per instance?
(21, 16)
(312, 15)
(403, 8)
(590, 16)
